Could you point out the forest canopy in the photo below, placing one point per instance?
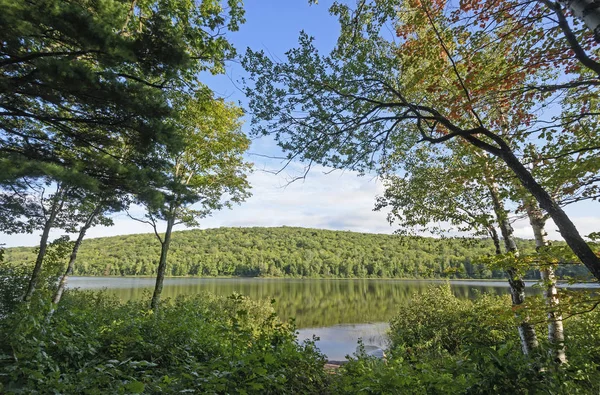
(289, 251)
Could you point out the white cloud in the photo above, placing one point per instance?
(585, 225)
(337, 200)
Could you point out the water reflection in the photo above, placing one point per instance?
(338, 311)
(313, 302)
(337, 341)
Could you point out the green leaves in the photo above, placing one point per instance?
(207, 171)
(134, 387)
(186, 347)
(81, 79)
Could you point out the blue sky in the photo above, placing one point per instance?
(340, 200)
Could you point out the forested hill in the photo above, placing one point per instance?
(283, 251)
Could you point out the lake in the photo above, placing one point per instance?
(338, 311)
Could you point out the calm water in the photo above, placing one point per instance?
(337, 311)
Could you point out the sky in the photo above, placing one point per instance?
(339, 200)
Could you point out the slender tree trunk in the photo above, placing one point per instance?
(56, 206)
(495, 239)
(65, 277)
(567, 229)
(517, 285)
(556, 334)
(162, 265)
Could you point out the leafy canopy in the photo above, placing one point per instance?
(80, 78)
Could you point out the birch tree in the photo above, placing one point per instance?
(556, 335)
(452, 188)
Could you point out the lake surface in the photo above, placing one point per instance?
(338, 311)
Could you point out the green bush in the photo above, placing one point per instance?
(94, 344)
(206, 344)
(13, 282)
(443, 345)
(436, 321)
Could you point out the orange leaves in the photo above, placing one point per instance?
(484, 57)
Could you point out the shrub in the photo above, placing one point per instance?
(205, 344)
(436, 322)
(443, 345)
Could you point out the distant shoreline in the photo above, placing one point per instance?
(457, 281)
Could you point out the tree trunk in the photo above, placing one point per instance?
(556, 335)
(495, 239)
(587, 11)
(567, 229)
(526, 330)
(56, 206)
(517, 285)
(65, 277)
(162, 265)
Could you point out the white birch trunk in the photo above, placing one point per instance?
(588, 11)
(556, 334)
(517, 285)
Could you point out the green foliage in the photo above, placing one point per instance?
(472, 347)
(482, 371)
(205, 344)
(365, 375)
(13, 282)
(81, 78)
(285, 251)
(423, 199)
(208, 344)
(208, 171)
(15, 277)
(436, 321)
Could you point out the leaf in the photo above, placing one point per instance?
(135, 387)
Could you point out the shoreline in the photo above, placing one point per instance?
(465, 281)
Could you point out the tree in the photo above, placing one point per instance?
(449, 186)
(85, 91)
(50, 201)
(207, 174)
(556, 334)
(586, 11)
(439, 192)
(87, 76)
(89, 210)
(373, 97)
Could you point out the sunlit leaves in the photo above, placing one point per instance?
(209, 169)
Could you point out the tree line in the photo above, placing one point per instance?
(291, 252)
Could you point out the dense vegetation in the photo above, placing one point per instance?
(93, 344)
(440, 344)
(444, 345)
(473, 113)
(285, 251)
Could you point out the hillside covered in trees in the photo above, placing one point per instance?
(284, 251)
